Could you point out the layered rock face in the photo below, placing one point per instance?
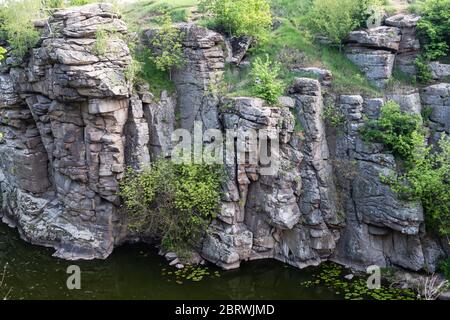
(377, 51)
(380, 228)
(437, 99)
(373, 51)
(290, 213)
(198, 81)
(70, 125)
(63, 114)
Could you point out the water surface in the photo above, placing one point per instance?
(137, 272)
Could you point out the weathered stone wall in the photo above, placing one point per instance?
(380, 228)
(70, 125)
(63, 114)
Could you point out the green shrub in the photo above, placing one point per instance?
(2, 53)
(334, 116)
(172, 202)
(167, 47)
(240, 17)
(51, 4)
(427, 179)
(103, 38)
(81, 2)
(397, 130)
(290, 9)
(426, 176)
(335, 19)
(16, 22)
(366, 11)
(434, 31)
(101, 42)
(265, 82)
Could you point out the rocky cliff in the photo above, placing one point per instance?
(71, 123)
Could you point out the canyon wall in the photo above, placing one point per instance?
(71, 123)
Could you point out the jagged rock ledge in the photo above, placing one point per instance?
(71, 124)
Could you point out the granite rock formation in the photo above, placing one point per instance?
(377, 51)
(71, 123)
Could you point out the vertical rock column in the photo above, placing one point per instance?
(373, 51)
(198, 81)
(314, 238)
(380, 228)
(77, 101)
(409, 47)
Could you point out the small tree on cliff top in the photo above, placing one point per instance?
(240, 17)
(167, 47)
(335, 19)
(16, 24)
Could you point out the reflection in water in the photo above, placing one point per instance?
(135, 272)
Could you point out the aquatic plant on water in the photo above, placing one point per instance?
(332, 276)
(190, 273)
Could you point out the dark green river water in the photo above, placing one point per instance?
(137, 272)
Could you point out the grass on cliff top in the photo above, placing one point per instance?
(288, 41)
(141, 15)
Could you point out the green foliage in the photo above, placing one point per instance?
(426, 171)
(16, 23)
(332, 276)
(2, 53)
(336, 18)
(424, 74)
(53, 3)
(143, 15)
(288, 40)
(426, 114)
(265, 80)
(81, 2)
(334, 116)
(427, 179)
(167, 47)
(191, 273)
(146, 71)
(240, 17)
(397, 130)
(434, 29)
(101, 42)
(172, 202)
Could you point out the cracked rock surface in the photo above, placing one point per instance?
(71, 124)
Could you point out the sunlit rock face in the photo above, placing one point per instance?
(377, 51)
(71, 123)
(63, 114)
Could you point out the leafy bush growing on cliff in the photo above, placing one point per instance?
(335, 19)
(52, 3)
(240, 17)
(265, 80)
(434, 30)
(81, 2)
(427, 179)
(16, 24)
(397, 130)
(172, 202)
(2, 53)
(167, 47)
(426, 175)
(102, 41)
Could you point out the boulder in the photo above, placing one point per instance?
(380, 38)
